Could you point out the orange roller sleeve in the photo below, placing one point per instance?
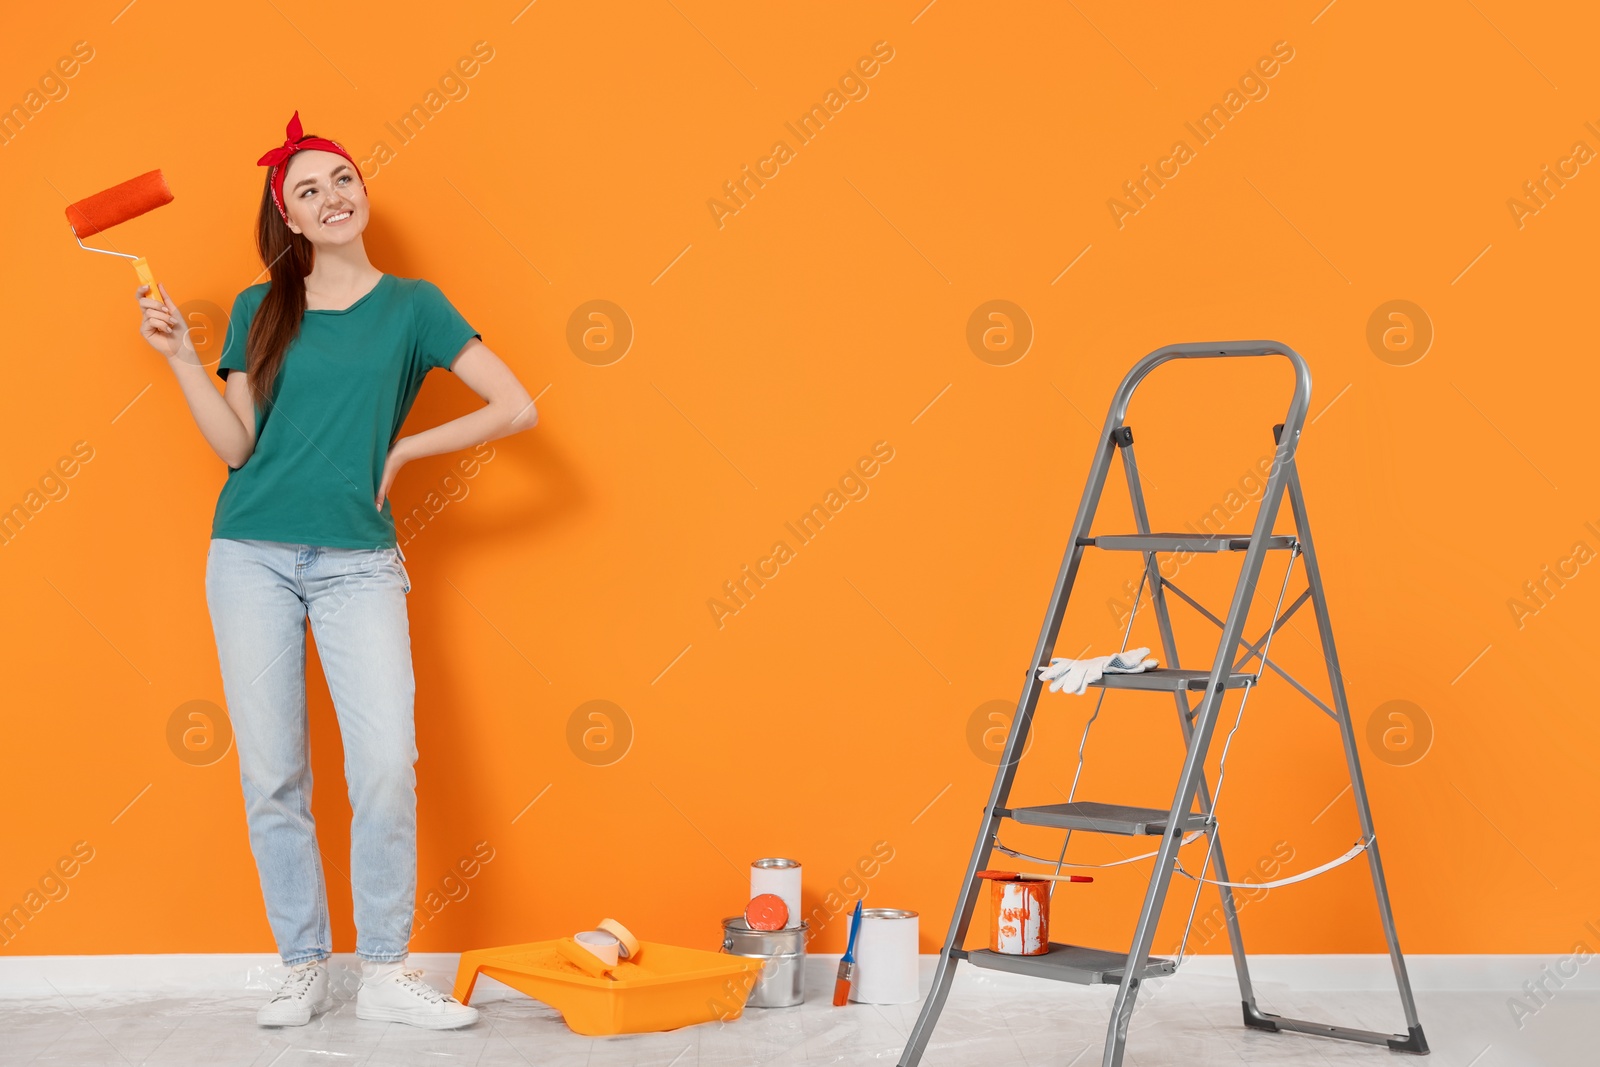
(118, 204)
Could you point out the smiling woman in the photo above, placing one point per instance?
(320, 367)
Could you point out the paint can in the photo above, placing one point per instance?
(781, 984)
(1021, 917)
(780, 877)
(886, 957)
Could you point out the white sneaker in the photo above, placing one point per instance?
(394, 994)
(304, 993)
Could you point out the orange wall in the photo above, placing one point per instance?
(772, 349)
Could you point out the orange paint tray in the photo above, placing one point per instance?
(668, 988)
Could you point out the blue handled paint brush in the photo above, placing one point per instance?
(847, 965)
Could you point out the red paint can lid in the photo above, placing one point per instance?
(766, 912)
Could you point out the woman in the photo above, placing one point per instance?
(321, 366)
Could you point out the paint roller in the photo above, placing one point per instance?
(118, 204)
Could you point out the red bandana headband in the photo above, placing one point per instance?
(296, 141)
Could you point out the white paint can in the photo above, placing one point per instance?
(886, 957)
(781, 877)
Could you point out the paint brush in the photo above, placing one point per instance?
(847, 965)
(1029, 876)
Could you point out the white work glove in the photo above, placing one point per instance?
(1076, 675)
(1072, 675)
(1063, 674)
(1133, 661)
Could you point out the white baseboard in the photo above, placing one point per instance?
(221, 973)
(174, 973)
(1363, 973)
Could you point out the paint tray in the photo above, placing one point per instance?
(668, 988)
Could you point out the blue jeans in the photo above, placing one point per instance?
(260, 594)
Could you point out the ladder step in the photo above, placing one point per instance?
(1070, 963)
(1104, 818)
(1165, 542)
(1169, 680)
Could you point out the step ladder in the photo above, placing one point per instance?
(1228, 671)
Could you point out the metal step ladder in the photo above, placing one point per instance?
(1229, 671)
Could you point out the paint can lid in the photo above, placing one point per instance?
(766, 911)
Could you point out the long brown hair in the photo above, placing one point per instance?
(288, 257)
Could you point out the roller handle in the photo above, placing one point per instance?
(141, 266)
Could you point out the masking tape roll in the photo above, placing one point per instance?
(629, 949)
(603, 944)
(579, 956)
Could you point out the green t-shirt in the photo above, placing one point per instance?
(347, 383)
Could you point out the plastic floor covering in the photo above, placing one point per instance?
(989, 1019)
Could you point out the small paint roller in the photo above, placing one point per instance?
(118, 204)
(585, 956)
(609, 947)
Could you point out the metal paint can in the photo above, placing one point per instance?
(781, 984)
(1021, 912)
(886, 957)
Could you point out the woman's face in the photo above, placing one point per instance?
(324, 197)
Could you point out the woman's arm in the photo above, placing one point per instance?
(507, 410)
(227, 423)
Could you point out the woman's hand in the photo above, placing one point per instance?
(162, 326)
(399, 456)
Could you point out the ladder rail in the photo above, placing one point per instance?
(1358, 787)
(1227, 646)
(1016, 737)
(1205, 723)
(1169, 647)
(1298, 403)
